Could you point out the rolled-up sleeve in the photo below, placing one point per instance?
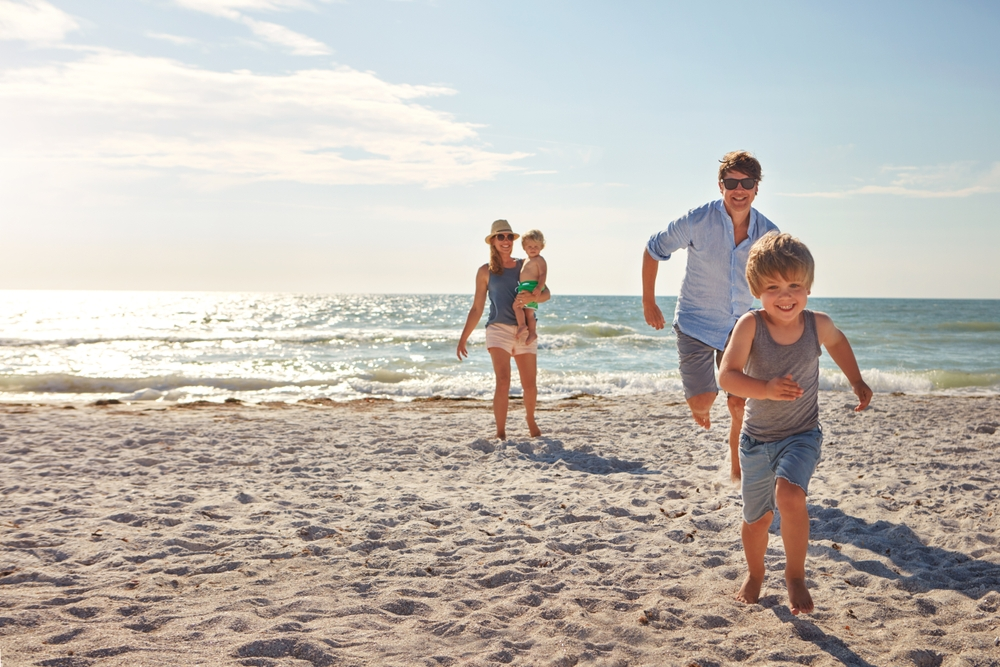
(677, 235)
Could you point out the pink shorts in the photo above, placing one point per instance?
(502, 336)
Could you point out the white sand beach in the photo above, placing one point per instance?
(392, 534)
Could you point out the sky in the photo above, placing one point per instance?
(365, 147)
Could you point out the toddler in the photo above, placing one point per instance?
(532, 279)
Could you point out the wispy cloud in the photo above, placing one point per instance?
(234, 10)
(297, 43)
(953, 180)
(34, 21)
(111, 110)
(173, 39)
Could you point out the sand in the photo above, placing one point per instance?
(380, 533)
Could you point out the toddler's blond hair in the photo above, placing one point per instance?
(533, 235)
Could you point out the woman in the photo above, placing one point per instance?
(499, 279)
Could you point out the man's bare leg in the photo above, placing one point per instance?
(701, 407)
(795, 535)
(736, 406)
(501, 394)
(754, 548)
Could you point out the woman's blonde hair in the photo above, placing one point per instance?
(782, 255)
(533, 235)
(496, 262)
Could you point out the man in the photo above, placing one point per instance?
(714, 292)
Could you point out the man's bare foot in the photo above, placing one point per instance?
(702, 419)
(750, 590)
(799, 600)
(532, 337)
(522, 334)
(501, 435)
(533, 429)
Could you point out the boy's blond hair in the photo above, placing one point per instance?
(533, 235)
(776, 254)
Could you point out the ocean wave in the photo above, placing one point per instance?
(361, 336)
(585, 329)
(969, 327)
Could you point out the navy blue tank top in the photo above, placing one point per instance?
(502, 290)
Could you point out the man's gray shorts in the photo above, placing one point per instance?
(697, 362)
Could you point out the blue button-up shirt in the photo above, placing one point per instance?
(714, 292)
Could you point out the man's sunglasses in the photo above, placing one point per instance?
(747, 183)
(505, 237)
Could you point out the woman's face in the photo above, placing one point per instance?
(504, 242)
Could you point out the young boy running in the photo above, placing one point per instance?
(773, 361)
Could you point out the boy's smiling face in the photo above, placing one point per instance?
(532, 248)
(784, 299)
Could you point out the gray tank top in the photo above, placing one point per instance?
(502, 290)
(769, 421)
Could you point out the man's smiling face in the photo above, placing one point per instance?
(737, 201)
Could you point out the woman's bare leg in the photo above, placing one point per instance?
(527, 368)
(501, 394)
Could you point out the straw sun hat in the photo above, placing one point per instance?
(500, 226)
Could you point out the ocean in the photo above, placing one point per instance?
(78, 346)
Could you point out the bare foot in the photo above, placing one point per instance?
(799, 599)
(522, 334)
(702, 419)
(532, 337)
(750, 590)
(501, 435)
(533, 428)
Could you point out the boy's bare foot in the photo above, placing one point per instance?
(799, 600)
(522, 334)
(533, 428)
(532, 337)
(750, 590)
(702, 419)
(501, 435)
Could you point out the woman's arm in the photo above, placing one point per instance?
(524, 298)
(476, 312)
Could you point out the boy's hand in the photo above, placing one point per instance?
(783, 389)
(864, 394)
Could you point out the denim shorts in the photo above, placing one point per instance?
(793, 459)
(697, 362)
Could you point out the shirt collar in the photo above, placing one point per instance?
(720, 206)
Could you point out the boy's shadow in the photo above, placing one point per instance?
(550, 450)
(918, 568)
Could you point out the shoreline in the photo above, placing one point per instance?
(388, 533)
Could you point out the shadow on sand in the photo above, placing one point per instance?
(548, 450)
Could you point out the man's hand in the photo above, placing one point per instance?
(653, 315)
(783, 389)
(462, 351)
(864, 394)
